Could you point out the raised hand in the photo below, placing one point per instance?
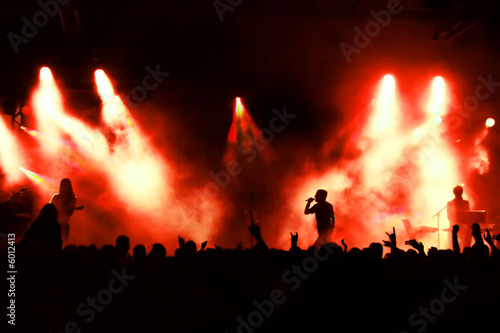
(203, 245)
(489, 240)
(181, 241)
(392, 239)
(456, 228)
(295, 238)
(254, 230)
(487, 237)
(345, 245)
(476, 233)
(416, 245)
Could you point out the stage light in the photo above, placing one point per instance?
(490, 122)
(26, 109)
(385, 115)
(437, 102)
(388, 84)
(239, 108)
(47, 100)
(43, 182)
(244, 136)
(438, 120)
(45, 74)
(439, 82)
(104, 86)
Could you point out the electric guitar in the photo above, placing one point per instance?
(77, 208)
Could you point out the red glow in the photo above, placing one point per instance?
(385, 114)
(10, 153)
(403, 171)
(243, 134)
(26, 109)
(131, 184)
(121, 178)
(481, 159)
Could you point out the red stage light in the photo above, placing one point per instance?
(26, 109)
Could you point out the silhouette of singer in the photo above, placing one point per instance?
(325, 216)
(65, 202)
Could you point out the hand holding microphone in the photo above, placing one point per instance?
(310, 200)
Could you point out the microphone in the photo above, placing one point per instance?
(310, 199)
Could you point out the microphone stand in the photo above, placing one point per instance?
(6, 203)
(439, 230)
(13, 196)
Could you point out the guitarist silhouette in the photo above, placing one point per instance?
(65, 202)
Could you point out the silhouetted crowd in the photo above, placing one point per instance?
(329, 287)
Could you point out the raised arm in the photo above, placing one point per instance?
(456, 246)
(419, 246)
(392, 241)
(255, 231)
(489, 240)
(476, 233)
